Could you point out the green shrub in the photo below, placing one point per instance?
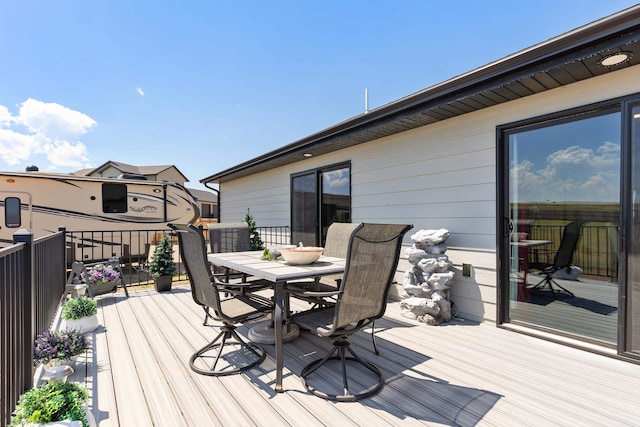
(162, 260)
(254, 235)
(53, 401)
(77, 308)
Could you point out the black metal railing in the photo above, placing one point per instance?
(134, 248)
(14, 321)
(596, 253)
(50, 278)
(275, 235)
(32, 284)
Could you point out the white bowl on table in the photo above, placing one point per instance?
(301, 255)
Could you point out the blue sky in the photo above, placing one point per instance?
(206, 85)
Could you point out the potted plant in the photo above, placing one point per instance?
(55, 348)
(162, 267)
(54, 402)
(102, 278)
(80, 314)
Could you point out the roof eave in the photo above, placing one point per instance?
(555, 51)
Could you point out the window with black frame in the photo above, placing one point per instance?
(319, 197)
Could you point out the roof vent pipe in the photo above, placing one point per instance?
(366, 100)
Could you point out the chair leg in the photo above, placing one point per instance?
(342, 347)
(226, 338)
(208, 315)
(548, 281)
(571, 294)
(373, 337)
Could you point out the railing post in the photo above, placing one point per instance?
(63, 230)
(28, 295)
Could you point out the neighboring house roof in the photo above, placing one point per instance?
(204, 196)
(566, 59)
(127, 168)
(83, 172)
(123, 167)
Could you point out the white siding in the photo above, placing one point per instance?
(438, 176)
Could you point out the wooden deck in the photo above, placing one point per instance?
(460, 373)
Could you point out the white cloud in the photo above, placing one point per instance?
(140, 91)
(5, 116)
(44, 128)
(63, 153)
(16, 147)
(575, 173)
(336, 178)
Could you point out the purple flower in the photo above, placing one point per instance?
(100, 274)
(58, 345)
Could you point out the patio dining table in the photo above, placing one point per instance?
(523, 263)
(278, 273)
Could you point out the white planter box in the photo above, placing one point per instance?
(83, 325)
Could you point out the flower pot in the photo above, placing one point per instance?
(83, 325)
(103, 288)
(57, 373)
(56, 363)
(162, 283)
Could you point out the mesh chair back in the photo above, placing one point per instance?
(372, 260)
(568, 244)
(194, 257)
(229, 237)
(337, 242)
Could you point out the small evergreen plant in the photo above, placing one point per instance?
(162, 260)
(254, 235)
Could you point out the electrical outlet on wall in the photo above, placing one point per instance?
(466, 270)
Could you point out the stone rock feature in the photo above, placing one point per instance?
(426, 295)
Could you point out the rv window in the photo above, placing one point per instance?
(12, 217)
(114, 198)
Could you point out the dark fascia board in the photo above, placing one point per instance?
(511, 68)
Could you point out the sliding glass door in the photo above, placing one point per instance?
(561, 224)
(304, 208)
(631, 327)
(319, 198)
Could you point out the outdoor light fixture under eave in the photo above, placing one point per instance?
(308, 155)
(615, 59)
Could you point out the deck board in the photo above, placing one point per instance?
(460, 373)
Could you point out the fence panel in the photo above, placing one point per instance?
(14, 360)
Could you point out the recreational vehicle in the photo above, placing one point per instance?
(43, 202)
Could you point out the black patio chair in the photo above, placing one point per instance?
(336, 245)
(372, 259)
(230, 308)
(227, 237)
(562, 259)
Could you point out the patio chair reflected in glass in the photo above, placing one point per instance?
(562, 259)
(228, 353)
(372, 259)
